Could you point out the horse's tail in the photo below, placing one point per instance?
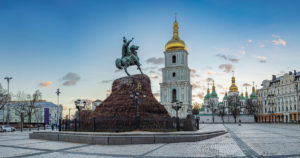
(119, 64)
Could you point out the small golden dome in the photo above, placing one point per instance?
(233, 87)
(175, 43)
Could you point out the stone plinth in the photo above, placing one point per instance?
(120, 105)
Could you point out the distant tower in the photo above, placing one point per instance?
(176, 84)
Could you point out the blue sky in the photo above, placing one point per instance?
(45, 41)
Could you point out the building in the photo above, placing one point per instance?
(212, 108)
(278, 98)
(95, 104)
(43, 112)
(176, 86)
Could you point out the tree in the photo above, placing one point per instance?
(36, 96)
(234, 104)
(222, 111)
(3, 100)
(212, 105)
(21, 106)
(196, 108)
(251, 106)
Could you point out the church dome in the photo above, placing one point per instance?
(233, 87)
(225, 96)
(253, 94)
(207, 96)
(175, 43)
(213, 93)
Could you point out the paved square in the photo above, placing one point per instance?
(248, 140)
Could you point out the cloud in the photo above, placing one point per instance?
(246, 85)
(46, 84)
(209, 79)
(195, 85)
(261, 59)
(118, 70)
(228, 58)
(106, 81)
(199, 95)
(220, 86)
(194, 73)
(153, 76)
(275, 36)
(155, 60)
(279, 41)
(244, 52)
(157, 94)
(250, 41)
(210, 72)
(71, 79)
(226, 67)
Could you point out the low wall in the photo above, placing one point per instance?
(122, 139)
(227, 119)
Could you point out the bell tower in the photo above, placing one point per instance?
(176, 86)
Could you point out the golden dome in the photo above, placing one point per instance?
(175, 43)
(233, 87)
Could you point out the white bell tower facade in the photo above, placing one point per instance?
(176, 86)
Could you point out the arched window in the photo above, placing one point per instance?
(173, 59)
(174, 74)
(174, 98)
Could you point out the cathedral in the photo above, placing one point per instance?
(211, 100)
(176, 86)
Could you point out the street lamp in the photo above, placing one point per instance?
(79, 107)
(8, 109)
(176, 107)
(58, 92)
(138, 99)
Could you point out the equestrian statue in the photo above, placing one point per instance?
(129, 57)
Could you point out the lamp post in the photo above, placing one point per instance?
(58, 92)
(138, 100)
(8, 108)
(176, 107)
(79, 108)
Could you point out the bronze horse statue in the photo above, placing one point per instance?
(129, 57)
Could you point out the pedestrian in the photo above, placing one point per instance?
(52, 126)
(240, 122)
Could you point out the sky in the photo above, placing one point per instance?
(73, 44)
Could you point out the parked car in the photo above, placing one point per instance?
(7, 128)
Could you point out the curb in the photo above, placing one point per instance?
(121, 139)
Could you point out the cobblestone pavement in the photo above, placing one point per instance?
(248, 140)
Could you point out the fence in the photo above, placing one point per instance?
(121, 124)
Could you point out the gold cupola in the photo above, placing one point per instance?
(175, 43)
(233, 87)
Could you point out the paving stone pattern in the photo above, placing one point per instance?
(248, 140)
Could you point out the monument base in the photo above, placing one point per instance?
(130, 108)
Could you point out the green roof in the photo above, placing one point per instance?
(206, 96)
(202, 108)
(253, 95)
(242, 97)
(214, 94)
(225, 97)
